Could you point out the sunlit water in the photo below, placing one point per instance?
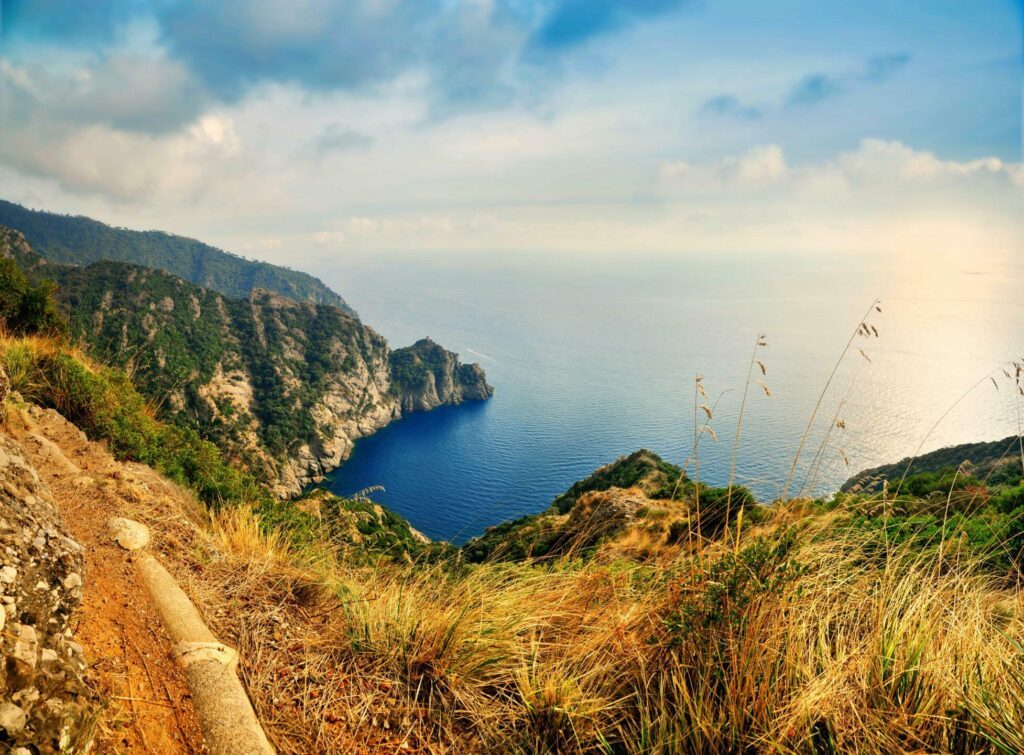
(592, 360)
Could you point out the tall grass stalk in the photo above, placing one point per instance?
(875, 306)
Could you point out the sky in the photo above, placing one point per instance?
(306, 131)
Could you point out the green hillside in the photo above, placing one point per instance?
(76, 240)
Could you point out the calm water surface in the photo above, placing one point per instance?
(592, 360)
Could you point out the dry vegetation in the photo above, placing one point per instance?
(792, 640)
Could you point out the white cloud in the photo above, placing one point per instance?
(878, 161)
(760, 167)
(129, 128)
(121, 165)
(875, 166)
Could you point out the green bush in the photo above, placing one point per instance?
(26, 308)
(720, 598)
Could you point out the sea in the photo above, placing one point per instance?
(592, 358)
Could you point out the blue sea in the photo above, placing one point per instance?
(594, 358)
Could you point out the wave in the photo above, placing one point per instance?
(480, 354)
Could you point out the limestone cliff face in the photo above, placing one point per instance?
(44, 701)
(284, 387)
(358, 391)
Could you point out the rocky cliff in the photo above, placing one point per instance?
(425, 376)
(45, 705)
(285, 387)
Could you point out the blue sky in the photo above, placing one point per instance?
(580, 126)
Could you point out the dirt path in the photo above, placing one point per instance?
(148, 707)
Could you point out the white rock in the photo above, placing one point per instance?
(72, 581)
(8, 574)
(129, 534)
(12, 718)
(26, 633)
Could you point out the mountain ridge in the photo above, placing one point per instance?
(80, 240)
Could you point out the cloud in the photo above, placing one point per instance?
(73, 132)
(232, 46)
(131, 92)
(66, 21)
(878, 162)
(476, 53)
(813, 89)
(883, 67)
(128, 127)
(573, 22)
(876, 170)
(337, 138)
(729, 105)
(818, 87)
(319, 44)
(759, 167)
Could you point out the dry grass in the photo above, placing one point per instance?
(843, 652)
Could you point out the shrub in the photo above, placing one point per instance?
(25, 308)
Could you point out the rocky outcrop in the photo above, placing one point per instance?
(426, 376)
(45, 705)
(601, 513)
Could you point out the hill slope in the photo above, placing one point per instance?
(983, 459)
(76, 240)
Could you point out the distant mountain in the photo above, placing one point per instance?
(284, 387)
(76, 240)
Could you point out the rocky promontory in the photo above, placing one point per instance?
(426, 375)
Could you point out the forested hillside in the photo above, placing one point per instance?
(76, 240)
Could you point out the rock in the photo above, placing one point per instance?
(128, 533)
(426, 375)
(47, 707)
(12, 719)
